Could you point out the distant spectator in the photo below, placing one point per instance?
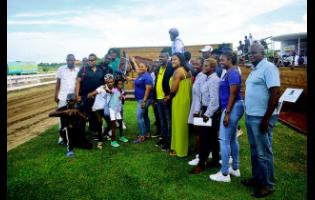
(84, 62)
(187, 56)
(104, 65)
(240, 48)
(177, 44)
(250, 39)
(115, 61)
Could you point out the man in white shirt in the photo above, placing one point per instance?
(66, 78)
(177, 44)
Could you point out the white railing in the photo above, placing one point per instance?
(16, 82)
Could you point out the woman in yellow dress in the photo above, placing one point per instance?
(180, 97)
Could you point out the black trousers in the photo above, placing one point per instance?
(99, 115)
(209, 142)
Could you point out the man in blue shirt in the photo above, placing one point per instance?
(261, 98)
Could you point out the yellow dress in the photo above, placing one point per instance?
(180, 112)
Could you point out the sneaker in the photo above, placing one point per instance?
(110, 133)
(70, 154)
(220, 177)
(100, 145)
(230, 161)
(239, 132)
(124, 125)
(114, 144)
(210, 155)
(159, 143)
(165, 147)
(60, 141)
(194, 162)
(235, 173)
(123, 139)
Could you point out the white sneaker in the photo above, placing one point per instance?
(194, 162)
(220, 177)
(210, 155)
(233, 172)
(239, 133)
(230, 161)
(100, 145)
(124, 126)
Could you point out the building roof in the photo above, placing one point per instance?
(291, 36)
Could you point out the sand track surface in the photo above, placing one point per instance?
(27, 113)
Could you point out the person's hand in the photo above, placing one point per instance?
(166, 100)
(90, 95)
(56, 99)
(205, 118)
(143, 103)
(264, 126)
(226, 119)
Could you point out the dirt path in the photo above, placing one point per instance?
(28, 114)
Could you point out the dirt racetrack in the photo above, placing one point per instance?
(28, 111)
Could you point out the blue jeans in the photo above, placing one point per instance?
(228, 137)
(143, 117)
(261, 150)
(165, 119)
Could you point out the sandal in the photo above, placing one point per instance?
(173, 154)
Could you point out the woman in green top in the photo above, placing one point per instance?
(180, 96)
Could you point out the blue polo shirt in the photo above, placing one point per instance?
(140, 85)
(262, 77)
(231, 77)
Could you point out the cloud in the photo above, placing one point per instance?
(140, 23)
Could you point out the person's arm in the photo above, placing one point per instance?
(214, 99)
(57, 89)
(148, 89)
(272, 104)
(175, 84)
(233, 93)
(77, 88)
(133, 60)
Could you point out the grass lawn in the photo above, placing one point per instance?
(39, 169)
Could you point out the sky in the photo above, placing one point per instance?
(46, 31)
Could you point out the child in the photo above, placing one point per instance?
(103, 95)
(115, 107)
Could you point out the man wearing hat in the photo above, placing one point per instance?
(206, 52)
(177, 45)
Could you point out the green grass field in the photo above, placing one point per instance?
(39, 169)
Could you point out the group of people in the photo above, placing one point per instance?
(183, 91)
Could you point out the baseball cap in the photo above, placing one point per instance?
(206, 48)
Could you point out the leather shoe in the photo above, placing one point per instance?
(250, 182)
(261, 192)
(197, 169)
(213, 164)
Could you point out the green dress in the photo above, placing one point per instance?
(180, 112)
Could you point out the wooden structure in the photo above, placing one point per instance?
(154, 52)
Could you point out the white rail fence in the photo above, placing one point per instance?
(17, 82)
